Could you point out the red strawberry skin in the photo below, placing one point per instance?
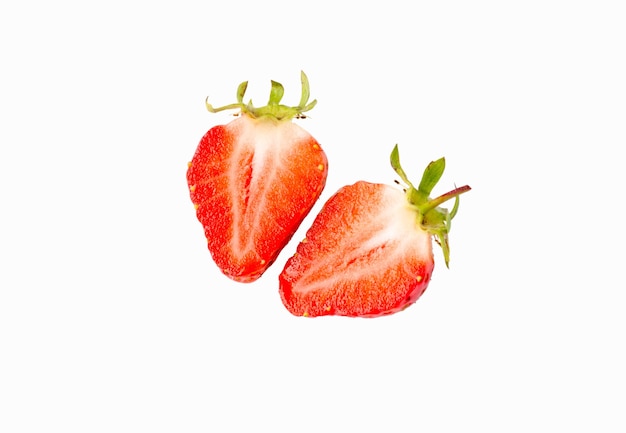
(365, 255)
(252, 182)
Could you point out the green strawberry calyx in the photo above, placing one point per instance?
(431, 216)
(274, 109)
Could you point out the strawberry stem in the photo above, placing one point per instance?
(431, 204)
(274, 109)
(431, 217)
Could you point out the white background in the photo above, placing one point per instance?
(113, 318)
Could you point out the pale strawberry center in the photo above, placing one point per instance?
(261, 164)
(382, 236)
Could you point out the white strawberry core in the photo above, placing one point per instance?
(268, 145)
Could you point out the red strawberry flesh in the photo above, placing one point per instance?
(252, 182)
(365, 255)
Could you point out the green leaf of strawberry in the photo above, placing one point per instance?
(253, 180)
(432, 218)
(273, 109)
(368, 252)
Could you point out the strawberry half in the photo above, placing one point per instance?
(253, 180)
(369, 251)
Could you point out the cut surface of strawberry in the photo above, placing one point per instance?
(369, 251)
(253, 180)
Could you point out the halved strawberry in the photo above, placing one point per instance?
(369, 250)
(253, 181)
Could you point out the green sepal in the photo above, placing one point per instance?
(431, 176)
(276, 94)
(431, 217)
(274, 109)
(395, 164)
